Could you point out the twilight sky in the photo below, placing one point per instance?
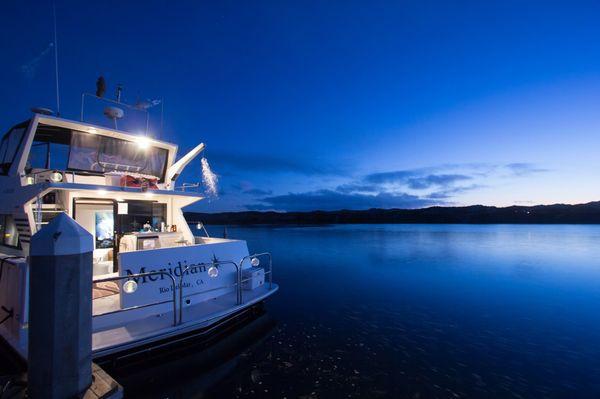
(337, 104)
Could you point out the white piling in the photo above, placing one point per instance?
(60, 310)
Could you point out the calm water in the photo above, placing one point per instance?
(415, 311)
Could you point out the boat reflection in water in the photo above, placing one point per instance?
(193, 366)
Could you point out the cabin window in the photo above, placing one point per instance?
(95, 153)
(140, 213)
(8, 148)
(47, 155)
(65, 149)
(50, 148)
(8, 230)
(11, 236)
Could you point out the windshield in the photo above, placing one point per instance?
(95, 153)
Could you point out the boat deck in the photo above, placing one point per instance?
(141, 331)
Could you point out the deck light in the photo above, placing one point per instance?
(213, 272)
(255, 262)
(102, 192)
(143, 142)
(30, 180)
(56, 177)
(130, 286)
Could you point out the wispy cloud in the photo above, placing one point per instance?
(231, 163)
(452, 192)
(245, 187)
(392, 177)
(334, 200)
(425, 182)
(524, 169)
(257, 192)
(358, 188)
(31, 66)
(433, 182)
(410, 188)
(418, 179)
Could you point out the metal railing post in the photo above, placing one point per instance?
(270, 272)
(238, 283)
(142, 275)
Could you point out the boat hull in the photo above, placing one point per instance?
(142, 335)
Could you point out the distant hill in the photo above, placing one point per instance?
(546, 214)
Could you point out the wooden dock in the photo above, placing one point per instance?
(103, 386)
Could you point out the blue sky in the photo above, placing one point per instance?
(328, 105)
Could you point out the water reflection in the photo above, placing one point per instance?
(410, 311)
(190, 370)
(431, 311)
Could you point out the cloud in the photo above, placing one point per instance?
(425, 182)
(269, 164)
(357, 188)
(246, 187)
(393, 177)
(440, 176)
(31, 66)
(451, 192)
(417, 179)
(257, 192)
(334, 200)
(524, 169)
(410, 188)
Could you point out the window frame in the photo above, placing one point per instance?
(6, 166)
(3, 224)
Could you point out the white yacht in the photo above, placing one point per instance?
(154, 281)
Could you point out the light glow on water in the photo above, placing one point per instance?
(405, 311)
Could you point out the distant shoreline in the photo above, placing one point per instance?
(588, 213)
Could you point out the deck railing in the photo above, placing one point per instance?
(258, 256)
(237, 284)
(178, 308)
(142, 275)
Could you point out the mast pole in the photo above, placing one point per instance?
(56, 62)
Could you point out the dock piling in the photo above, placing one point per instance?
(60, 310)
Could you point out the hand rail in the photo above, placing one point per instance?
(270, 272)
(184, 186)
(134, 276)
(187, 268)
(119, 103)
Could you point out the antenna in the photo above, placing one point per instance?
(56, 62)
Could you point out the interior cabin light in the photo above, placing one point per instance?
(255, 262)
(213, 271)
(130, 286)
(56, 177)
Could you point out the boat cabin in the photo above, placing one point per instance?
(152, 278)
(118, 186)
